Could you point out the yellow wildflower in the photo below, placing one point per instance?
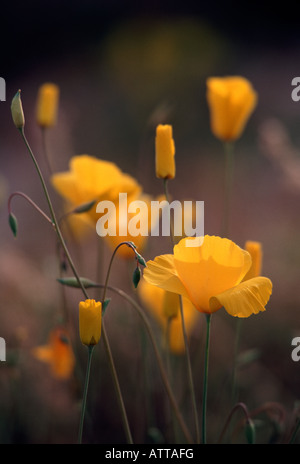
(231, 101)
(58, 353)
(90, 320)
(164, 152)
(47, 105)
(210, 275)
(91, 179)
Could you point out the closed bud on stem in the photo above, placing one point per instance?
(170, 305)
(164, 152)
(90, 320)
(47, 105)
(17, 111)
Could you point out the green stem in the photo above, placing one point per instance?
(229, 169)
(61, 239)
(86, 385)
(187, 352)
(204, 405)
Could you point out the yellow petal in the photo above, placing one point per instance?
(209, 269)
(249, 297)
(162, 273)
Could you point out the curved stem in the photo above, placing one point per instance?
(32, 203)
(204, 405)
(241, 406)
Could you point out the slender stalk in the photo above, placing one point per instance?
(229, 169)
(204, 404)
(86, 384)
(62, 241)
(187, 351)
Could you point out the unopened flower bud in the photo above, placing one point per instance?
(164, 152)
(47, 105)
(17, 111)
(90, 320)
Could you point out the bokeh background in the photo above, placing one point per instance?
(122, 68)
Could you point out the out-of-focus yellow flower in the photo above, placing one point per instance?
(164, 305)
(164, 152)
(91, 179)
(90, 320)
(57, 353)
(47, 105)
(255, 250)
(210, 275)
(121, 223)
(231, 101)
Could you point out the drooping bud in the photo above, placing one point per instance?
(17, 111)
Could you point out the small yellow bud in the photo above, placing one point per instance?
(90, 319)
(165, 152)
(17, 111)
(170, 305)
(47, 105)
(255, 250)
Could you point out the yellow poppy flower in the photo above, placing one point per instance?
(57, 353)
(90, 320)
(210, 275)
(47, 105)
(164, 152)
(231, 101)
(91, 179)
(164, 305)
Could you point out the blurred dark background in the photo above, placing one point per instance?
(123, 67)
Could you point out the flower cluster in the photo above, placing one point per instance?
(199, 277)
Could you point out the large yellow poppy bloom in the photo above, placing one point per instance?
(210, 275)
